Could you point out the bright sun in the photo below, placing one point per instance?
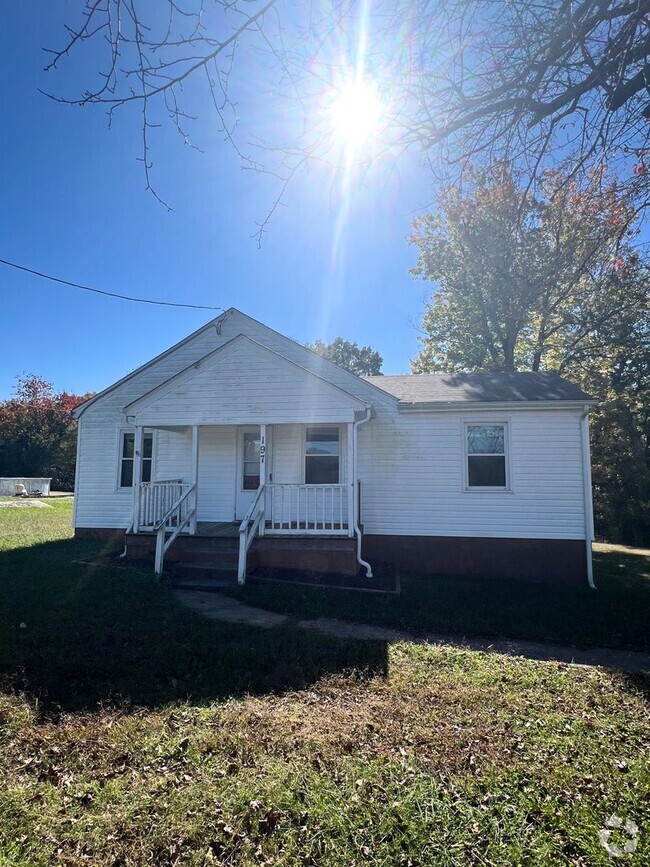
(356, 113)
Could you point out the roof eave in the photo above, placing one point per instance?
(77, 411)
(150, 395)
(454, 405)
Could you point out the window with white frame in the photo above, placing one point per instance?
(486, 456)
(322, 455)
(127, 457)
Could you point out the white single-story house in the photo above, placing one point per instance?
(238, 432)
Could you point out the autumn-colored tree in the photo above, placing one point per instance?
(549, 282)
(523, 281)
(360, 360)
(37, 432)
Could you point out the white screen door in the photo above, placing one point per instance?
(248, 469)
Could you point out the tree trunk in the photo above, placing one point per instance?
(509, 356)
(539, 348)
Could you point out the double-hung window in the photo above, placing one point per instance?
(322, 455)
(127, 457)
(486, 456)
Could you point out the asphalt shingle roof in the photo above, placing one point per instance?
(478, 387)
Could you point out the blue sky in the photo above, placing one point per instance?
(74, 205)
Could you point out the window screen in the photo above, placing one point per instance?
(486, 456)
(322, 455)
(127, 458)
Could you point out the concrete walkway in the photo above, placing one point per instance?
(223, 608)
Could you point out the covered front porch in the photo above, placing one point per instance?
(245, 435)
(246, 481)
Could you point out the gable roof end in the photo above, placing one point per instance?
(320, 361)
(320, 366)
(193, 368)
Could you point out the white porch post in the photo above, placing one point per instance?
(137, 474)
(351, 470)
(263, 474)
(195, 476)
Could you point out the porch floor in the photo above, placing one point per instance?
(230, 529)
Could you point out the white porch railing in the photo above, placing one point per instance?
(165, 508)
(247, 530)
(285, 510)
(155, 499)
(307, 509)
(177, 517)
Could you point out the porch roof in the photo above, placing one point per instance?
(244, 382)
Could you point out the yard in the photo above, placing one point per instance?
(134, 732)
(616, 615)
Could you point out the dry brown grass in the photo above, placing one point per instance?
(608, 548)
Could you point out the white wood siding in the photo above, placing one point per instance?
(410, 465)
(288, 468)
(172, 455)
(98, 501)
(412, 475)
(217, 473)
(287, 443)
(246, 384)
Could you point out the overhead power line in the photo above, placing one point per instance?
(102, 291)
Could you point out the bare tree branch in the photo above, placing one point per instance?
(464, 80)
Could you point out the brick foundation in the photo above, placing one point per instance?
(102, 534)
(541, 560)
(334, 556)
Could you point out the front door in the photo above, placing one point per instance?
(248, 469)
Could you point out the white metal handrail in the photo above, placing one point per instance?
(176, 518)
(247, 530)
(307, 509)
(155, 499)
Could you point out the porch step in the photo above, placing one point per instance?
(206, 544)
(202, 556)
(204, 575)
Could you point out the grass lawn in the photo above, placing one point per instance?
(134, 732)
(617, 614)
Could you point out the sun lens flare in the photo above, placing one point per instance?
(356, 114)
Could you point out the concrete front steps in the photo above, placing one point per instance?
(208, 563)
(210, 575)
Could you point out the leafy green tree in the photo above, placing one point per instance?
(549, 282)
(360, 360)
(619, 376)
(38, 435)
